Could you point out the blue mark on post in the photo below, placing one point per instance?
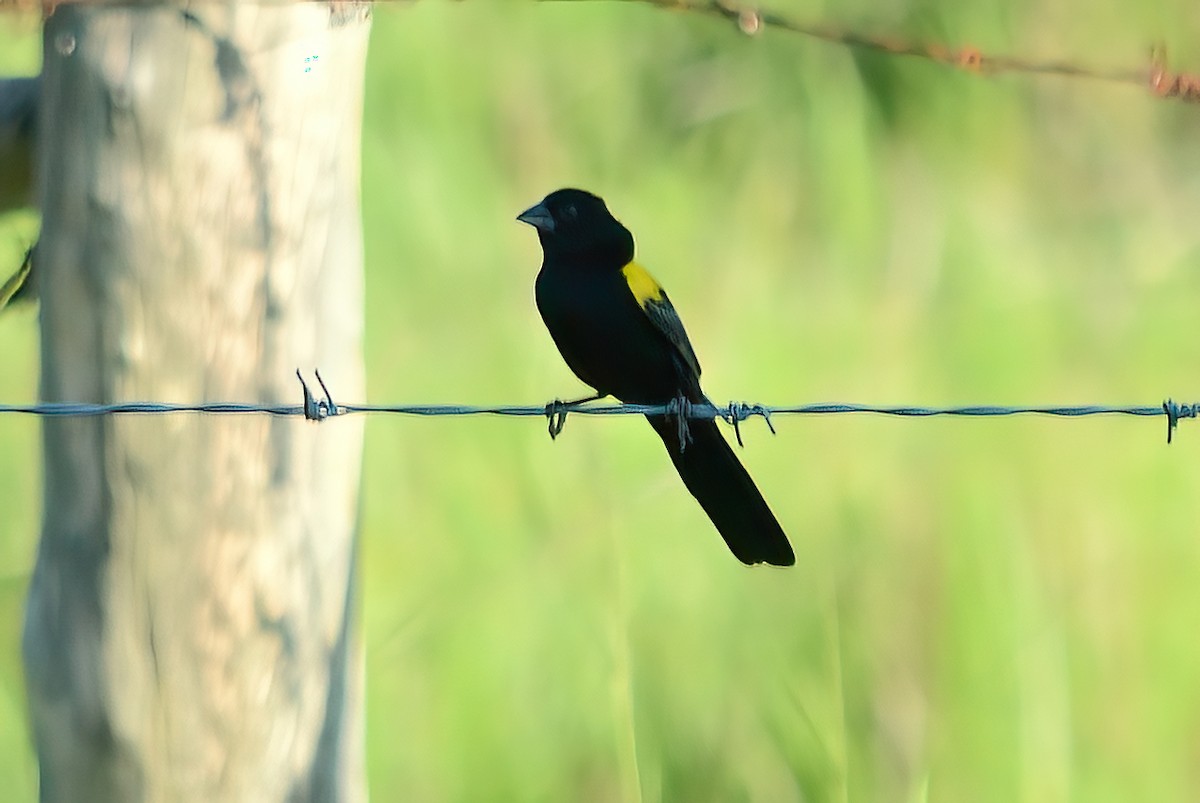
(310, 61)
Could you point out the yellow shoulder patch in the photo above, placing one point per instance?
(642, 284)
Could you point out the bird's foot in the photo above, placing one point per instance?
(556, 413)
(556, 417)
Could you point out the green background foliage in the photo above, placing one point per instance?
(981, 609)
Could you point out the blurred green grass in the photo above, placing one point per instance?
(985, 610)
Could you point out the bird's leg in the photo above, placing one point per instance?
(556, 412)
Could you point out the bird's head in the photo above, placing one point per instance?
(577, 224)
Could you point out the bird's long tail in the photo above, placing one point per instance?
(715, 476)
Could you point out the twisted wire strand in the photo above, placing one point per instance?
(734, 413)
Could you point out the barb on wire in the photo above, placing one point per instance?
(734, 413)
(737, 412)
(313, 409)
(1174, 412)
(680, 408)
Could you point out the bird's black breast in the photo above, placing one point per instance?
(606, 338)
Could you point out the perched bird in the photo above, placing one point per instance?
(620, 334)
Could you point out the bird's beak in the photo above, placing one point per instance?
(539, 217)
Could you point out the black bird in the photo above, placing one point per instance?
(619, 333)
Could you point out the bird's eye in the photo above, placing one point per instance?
(571, 212)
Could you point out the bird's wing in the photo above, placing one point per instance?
(658, 308)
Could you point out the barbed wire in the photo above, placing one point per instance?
(751, 20)
(556, 412)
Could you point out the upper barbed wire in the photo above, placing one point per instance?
(752, 20)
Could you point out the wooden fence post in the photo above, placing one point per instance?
(191, 625)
